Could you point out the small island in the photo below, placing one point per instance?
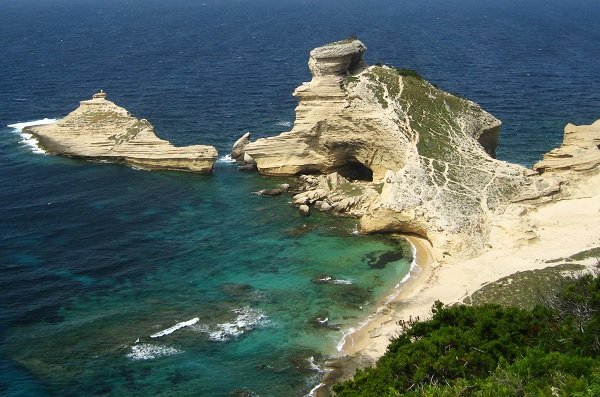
(100, 130)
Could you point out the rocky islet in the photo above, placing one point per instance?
(100, 130)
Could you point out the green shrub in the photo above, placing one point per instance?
(491, 350)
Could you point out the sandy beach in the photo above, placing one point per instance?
(525, 237)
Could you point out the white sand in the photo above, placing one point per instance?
(518, 242)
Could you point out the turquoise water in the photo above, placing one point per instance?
(144, 256)
(94, 257)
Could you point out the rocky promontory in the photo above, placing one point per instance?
(100, 130)
(406, 156)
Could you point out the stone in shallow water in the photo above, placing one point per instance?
(304, 210)
(237, 289)
(270, 192)
(379, 260)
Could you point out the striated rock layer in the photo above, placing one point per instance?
(418, 159)
(580, 150)
(100, 130)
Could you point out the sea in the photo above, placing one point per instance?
(116, 281)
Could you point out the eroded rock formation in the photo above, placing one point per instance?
(100, 130)
(580, 150)
(417, 159)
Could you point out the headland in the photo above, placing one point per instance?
(406, 157)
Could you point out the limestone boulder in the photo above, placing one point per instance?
(237, 151)
(304, 210)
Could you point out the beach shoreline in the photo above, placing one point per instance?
(374, 333)
(359, 347)
(524, 237)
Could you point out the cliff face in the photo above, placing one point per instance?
(427, 155)
(100, 130)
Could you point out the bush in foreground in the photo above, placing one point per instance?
(552, 350)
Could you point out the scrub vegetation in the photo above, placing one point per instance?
(552, 349)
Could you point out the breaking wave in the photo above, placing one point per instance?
(146, 351)
(174, 328)
(225, 159)
(28, 139)
(246, 320)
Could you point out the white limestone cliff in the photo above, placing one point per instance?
(422, 157)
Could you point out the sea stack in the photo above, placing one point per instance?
(405, 155)
(100, 130)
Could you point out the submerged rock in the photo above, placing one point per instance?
(242, 393)
(247, 167)
(379, 260)
(271, 192)
(100, 130)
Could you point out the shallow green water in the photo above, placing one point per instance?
(261, 289)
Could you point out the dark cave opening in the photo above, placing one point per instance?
(355, 170)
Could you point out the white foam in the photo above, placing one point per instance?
(28, 139)
(284, 123)
(225, 159)
(342, 342)
(331, 280)
(246, 320)
(312, 391)
(414, 269)
(174, 328)
(145, 351)
(341, 281)
(313, 366)
(19, 126)
(32, 143)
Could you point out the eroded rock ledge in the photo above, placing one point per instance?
(406, 156)
(100, 130)
(580, 150)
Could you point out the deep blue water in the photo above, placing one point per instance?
(95, 256)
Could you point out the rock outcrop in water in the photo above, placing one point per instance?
(418, 159)
(100, 130)
(580, 150)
